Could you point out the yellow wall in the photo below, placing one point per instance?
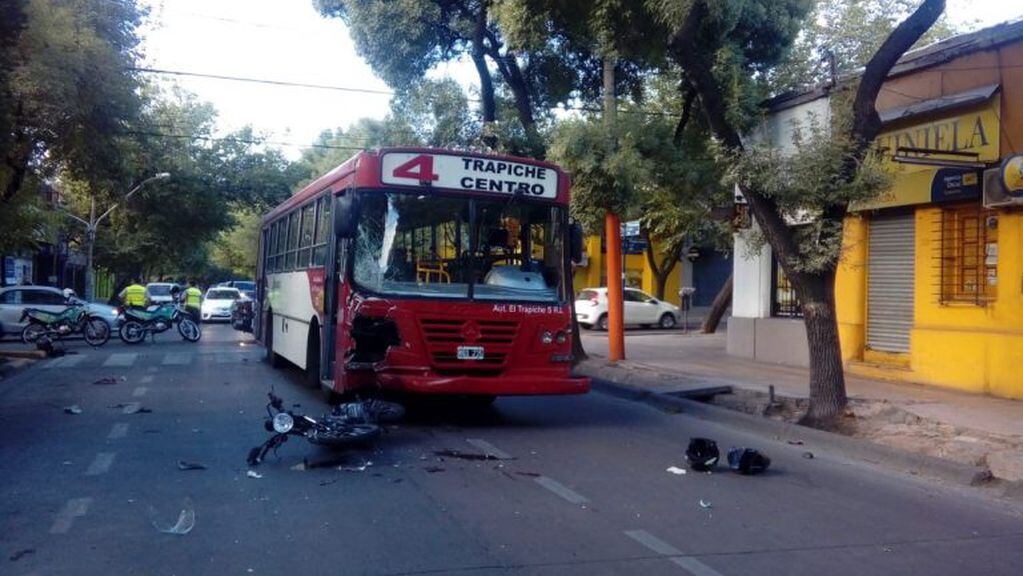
(593, 275)
(962, 346)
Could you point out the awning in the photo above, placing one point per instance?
(945, 103)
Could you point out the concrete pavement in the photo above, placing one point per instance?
(582, 487)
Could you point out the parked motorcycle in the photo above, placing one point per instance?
(140, 323)
(50, 326)
(348, 423)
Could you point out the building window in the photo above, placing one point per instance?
(784, 302)
(968, 257)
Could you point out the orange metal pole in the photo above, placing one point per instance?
(615, 310)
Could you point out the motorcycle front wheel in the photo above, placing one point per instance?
(31, 332)
(96, 331)
(189, 330)
(132, 332)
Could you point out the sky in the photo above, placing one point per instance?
(288, 40)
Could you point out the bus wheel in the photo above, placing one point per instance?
(312, 357)
(268, 342)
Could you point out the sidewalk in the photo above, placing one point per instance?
(943, 423)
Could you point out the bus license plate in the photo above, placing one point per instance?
(470, 352)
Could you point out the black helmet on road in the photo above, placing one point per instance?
(702, 454)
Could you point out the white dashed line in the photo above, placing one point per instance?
(101, 464)
(121, 359)
(120, 430)
(560, 489)
(75, 508)
(66, 361)
(676, 556)
(148, 379)
(139, 392)
(489, 449)
(177, 358)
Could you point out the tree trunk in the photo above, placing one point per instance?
(717, 309)
(488, 101)
(827, 377)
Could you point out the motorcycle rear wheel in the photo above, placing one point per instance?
(96, 331)
(31, 332)
(189, 330)
(132, 332)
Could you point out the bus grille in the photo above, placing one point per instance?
(443, 336)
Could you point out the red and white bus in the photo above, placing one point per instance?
(423, 271)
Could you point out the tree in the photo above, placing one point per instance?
(747, 36)
(234, 249)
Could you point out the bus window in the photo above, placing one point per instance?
(322, 231)
(292, 247)
(306, 239)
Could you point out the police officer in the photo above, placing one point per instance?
(193, 301)
(134, 295)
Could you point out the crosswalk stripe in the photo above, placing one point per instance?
(66, 361)
(121, 359)
(177, 358)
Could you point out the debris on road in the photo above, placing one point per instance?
(74, 409)
(676, 470)
(702, 454)
(465, 455)
(747, 461)
(360, 468)
(108, 381)
(253, 474)
(21, 554)
(705, 504)
(300, 467)
(183, 465)
(796, 442)
(184, 523)
(530, 474)
(808, 455)
(433, 469)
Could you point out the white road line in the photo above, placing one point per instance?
(75, 508)
(560, 489)
(131, 407)
(139, 392)
(489, 449)
(152, 369)
(148, 379)
(121, 359)
(677, 557)
(177, 358)
(101, 464)
(66, 361)
(119, 430)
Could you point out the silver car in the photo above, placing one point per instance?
(14, 300)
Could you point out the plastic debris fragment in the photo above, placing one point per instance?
(109, 380)
(184, 524)
(676, 470)
(253, 474)
(705, 504)
(808, 455)
(73, 409)
(183, 465)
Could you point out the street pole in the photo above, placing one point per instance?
(613, 234)
(92, 225)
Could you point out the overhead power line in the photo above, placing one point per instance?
(262, 81)
(241, 140)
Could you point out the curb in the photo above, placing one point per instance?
(877, 454)
(34, 354)
(11, 368)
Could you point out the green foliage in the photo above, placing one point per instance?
(235, 249)
(24, 220)
(852, 30)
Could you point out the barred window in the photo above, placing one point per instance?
(968, 258)
(784, 302)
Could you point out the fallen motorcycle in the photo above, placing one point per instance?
(48, 327)
(349, 423)
(139, 323)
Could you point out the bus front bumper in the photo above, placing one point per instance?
(524, 385)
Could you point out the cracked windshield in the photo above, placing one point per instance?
(538, 287)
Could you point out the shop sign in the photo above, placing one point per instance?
(1012, 175)
(951, 184)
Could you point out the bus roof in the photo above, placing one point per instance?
(363, 170)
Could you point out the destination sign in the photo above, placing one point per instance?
(469, 173)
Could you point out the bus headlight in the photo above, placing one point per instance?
(546, 337)
(561, 337)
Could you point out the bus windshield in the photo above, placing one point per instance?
(504, 249)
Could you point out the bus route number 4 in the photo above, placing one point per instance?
(419, 168)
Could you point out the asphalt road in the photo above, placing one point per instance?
(583, 488)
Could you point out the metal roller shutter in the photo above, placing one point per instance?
(890, 275)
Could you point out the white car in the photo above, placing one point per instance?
(160, 292)
(641, 309)
(217, 303)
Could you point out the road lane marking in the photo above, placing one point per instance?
(101, 464)
(139, 392)
(676, 556)
(75, 508)
(489, 449)
(561, 490)
(66, 361)
(152, 369)
(120, 430)
(121, 359)
(131, 408)
(147, 379)
(177, 358)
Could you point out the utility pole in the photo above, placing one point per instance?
(613, 232)
(92, 224)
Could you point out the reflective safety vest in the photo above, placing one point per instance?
(135, 295)
(193, 297)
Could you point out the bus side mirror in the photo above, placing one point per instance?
(575, 242)
(344, 216)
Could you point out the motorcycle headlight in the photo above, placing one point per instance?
(283, 423)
